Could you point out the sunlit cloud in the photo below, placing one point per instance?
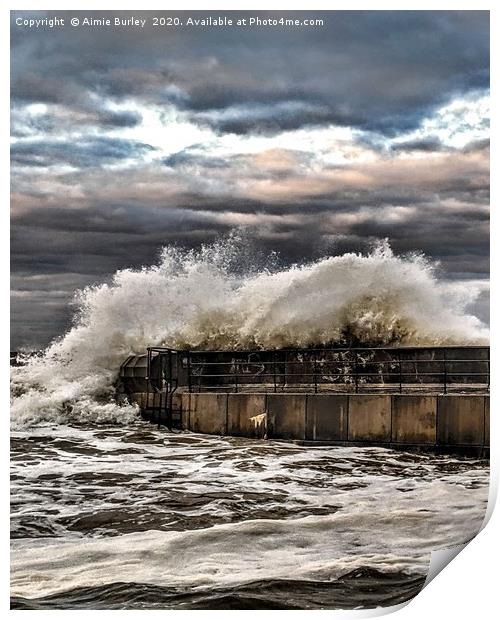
(463, 120)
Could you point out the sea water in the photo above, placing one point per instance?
(133, 517)
(108, 512)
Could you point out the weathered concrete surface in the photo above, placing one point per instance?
(286, 416)
(176, 400)
(246, 415)
(326, 417)
(208, 413)
(186, 410)
(454, 421)
(369, 417)
(414, 419)
(460, 420)
(486, 420)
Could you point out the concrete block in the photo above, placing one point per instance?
(208, 413)
(414, 419)
(486, 420)
(461, 420)
(246, 415)
(286, 416)
(369, 417)
(186, 410)
(326, 417)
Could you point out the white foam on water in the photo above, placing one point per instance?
(195, 299)
(316, 547)
(381, 509)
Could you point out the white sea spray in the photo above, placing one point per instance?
(196, 299)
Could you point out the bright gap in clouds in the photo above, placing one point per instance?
(462, 120)
(169, 131)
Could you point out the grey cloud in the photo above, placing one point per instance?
(272, 118)
(128, 235)
(189, 157)
(119, 119)
(432, 144)
(477, 145)
(426, 144)
(35, 322)
(59, 120)
(331, 73)
(85, 153)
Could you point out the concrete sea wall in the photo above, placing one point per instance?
(450, 423)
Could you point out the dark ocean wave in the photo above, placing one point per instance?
(363, 587)
(227, 523)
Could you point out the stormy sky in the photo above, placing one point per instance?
(316, 139)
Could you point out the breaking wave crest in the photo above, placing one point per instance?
(204, 299)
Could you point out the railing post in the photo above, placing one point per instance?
(488, 386)
(315, 374)
(400, 373)
(147, 379)
(274, 371)
(189, 369)
(356, 378)
(445, 369)
(168, 395)
(160, 397)
(488, 371)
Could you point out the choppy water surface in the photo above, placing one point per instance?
(131, 517)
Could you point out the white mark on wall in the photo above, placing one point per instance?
(258, 420)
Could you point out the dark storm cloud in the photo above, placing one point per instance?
(81, 154)
(428, 144)
(120, 119)
(272, 118)
(285, 77)
(432, 144)
(193, 157)
(101, 237)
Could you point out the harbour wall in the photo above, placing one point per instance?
(457, 423)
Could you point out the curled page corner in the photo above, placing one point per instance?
(440, 558)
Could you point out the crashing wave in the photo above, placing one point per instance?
(197, 299)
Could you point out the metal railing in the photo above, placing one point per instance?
(163, 380)
(384, 369)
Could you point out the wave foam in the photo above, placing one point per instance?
(197, 299)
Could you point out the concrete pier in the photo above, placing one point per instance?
(445, 423)
(432, 398)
